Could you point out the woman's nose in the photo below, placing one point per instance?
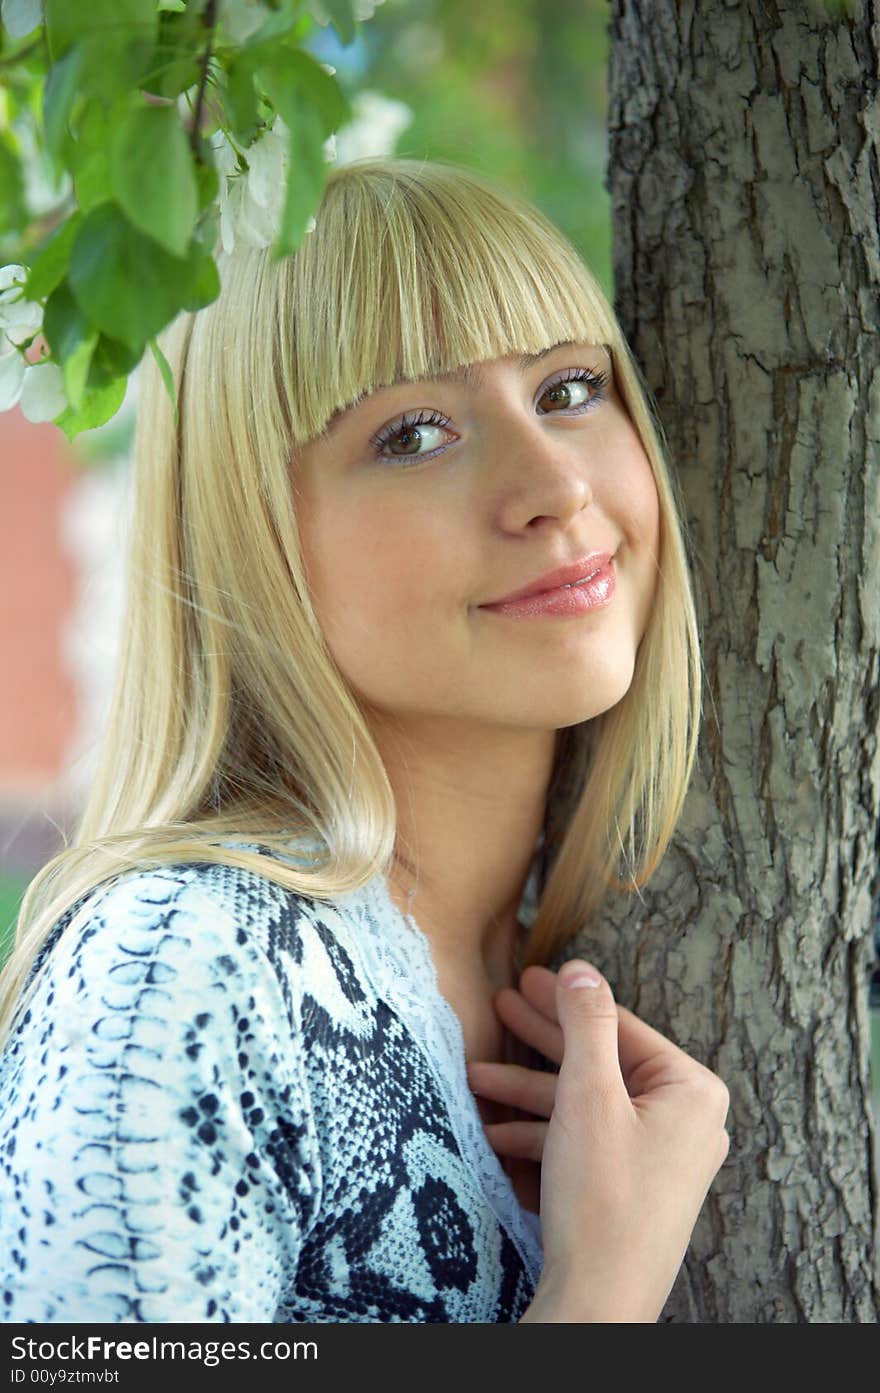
(539, 470)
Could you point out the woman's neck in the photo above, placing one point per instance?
(471, 807)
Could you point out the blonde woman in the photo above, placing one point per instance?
(283, 1036)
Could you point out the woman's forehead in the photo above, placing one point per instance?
(470, 374)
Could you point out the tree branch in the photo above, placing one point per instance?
(210, 25)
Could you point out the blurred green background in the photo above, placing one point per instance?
(515, 88)
(12, 888)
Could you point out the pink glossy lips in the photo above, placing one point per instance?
(576, 598)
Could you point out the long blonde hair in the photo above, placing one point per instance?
(229, 716)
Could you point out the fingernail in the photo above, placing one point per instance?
(577, 973)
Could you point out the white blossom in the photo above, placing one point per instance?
(378, 121)
(12, 367)
(241, 18)
(363, 9)
(21, 17)
(268, 160)
(37, 387)
(244, 217)
(252, 201)
(42, 392)
(19, 318)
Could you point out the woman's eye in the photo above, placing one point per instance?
(579, 389)
(425, 428)
(576, 389)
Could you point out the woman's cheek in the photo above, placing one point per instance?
(650, 509)
(638, 504)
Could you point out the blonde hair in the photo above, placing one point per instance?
(229, 717)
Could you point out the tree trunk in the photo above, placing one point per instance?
(743, 174)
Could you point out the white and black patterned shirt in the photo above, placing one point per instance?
(228, 1102)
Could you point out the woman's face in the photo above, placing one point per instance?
(528, 468)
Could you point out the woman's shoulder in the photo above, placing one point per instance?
(160, 1070)
(170, 935)
(197, 909)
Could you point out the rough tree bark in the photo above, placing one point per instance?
(743, 173)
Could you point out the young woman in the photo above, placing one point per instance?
(283, 1038)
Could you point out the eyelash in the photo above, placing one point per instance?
(597, 380)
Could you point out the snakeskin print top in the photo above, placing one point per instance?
(229, 1102)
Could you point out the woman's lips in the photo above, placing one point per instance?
(580, 598)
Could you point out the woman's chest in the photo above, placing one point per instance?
(411, 1222)
(485, 1038)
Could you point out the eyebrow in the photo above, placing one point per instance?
(470, 374)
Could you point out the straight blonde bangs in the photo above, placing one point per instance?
(439, 270)
(229, 718)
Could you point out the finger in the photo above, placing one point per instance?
(640, 1047)
(529, 1089)
(646, 1055)
(523, 1140)
(645, 1050)
(538, 985)
(528, 1023)
(588, 1016)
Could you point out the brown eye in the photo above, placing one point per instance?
(423, 429)
(577, 390)
(410, 439)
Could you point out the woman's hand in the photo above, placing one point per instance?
(633, 1137)
(634, 1140)
(530, 1016)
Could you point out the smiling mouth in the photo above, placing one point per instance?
(597, 590)
(571, 584)
(595, 562)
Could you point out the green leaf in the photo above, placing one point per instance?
(97, 407)
(175, 65)
(206, 282)
(207, 184)
(63, 86)
(68, 23)
(111, 359)
(49, 267)
(208, 229)
(64, 323)
(305, 181)
(341, 14)
(240, 101)
(312, 105)
(71, 339)
(90, 155)
(76, 371)
(116, 64)
(128, 285)
(13, 209)
(170, 73)
(151, 169)
(279, 23)
(167, 377)
(293, 78)
(104, 60)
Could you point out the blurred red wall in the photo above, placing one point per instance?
(37, 592)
